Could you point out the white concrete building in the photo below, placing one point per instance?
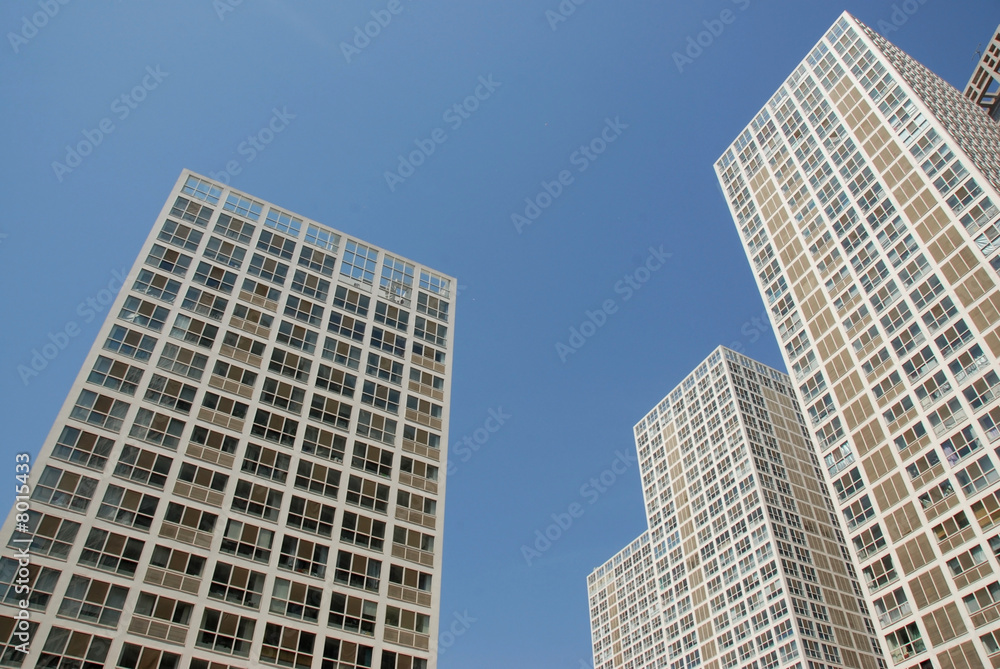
(865, 193)
(247, 470)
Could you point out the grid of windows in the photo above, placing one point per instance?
(258, 441)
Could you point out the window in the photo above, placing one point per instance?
(274, 427)
(336, 380)
(317, 261)
(421, 437)
(432, 306)
(215, 277)
(137, 657)
(51, 535)
(363, 531)
(211, 439)
(982, 391)
(180, 235)
(407, 620)
(168, 260)
(205, 303)
(330, 411)
(178, 517)
(325, 239)
(266, 463)
(381, 397)
(303, 556)
(303, 310)
(234, 228)
(203, 478)
(848, 484)
(420, 470)
(252, 321)
(257, 500)
(966, 561)
(186, 565)
(183, 361)
(342, 353)
(130, 343)
(143, 466)
(287, 646)
(372, 459)
(144, 314)
(435, 284)
(354, 614)
(31, 583)
(339, 654)
(225, 253)
(297, 336)
(283, 222)
(311, 516)
(243, 206)
(260, 294)
(73, 649)
(193, 212)
(311, 286)
(880, 573)
(247, 541)
(296, 600)
(237, 585)
(130, 508)
(430, 331)
(83, 448)
(230, 375)
(397, 277)
(93, 601)
(324, 444)
(357, 571)
(352, 301)
(99, 410)
(960, 446)
(953, 527)
(318, 479)
(869, 542)
(201, 189)
(268, 269)
(194, 331)
(282, 395)
(226, 633)
(347, 326)
(936, 494)
(928, 462)
(158, 609)
(920, 364)
(156, 286)
(392, 316)
(389, 341)
(376, 427)
(170, 393)
(276, 245)
(977, 476)
(368, 494)
(359, 262)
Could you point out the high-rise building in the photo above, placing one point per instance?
(865, 193)
(625, 623)
(246, 472)
(984, 86)
(743, 564)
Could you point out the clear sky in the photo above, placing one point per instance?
(213, 75)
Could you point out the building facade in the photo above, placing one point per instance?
(865, 193)
(246, 472)
(984, 85)
(743, 564)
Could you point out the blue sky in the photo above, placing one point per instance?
(638, 235)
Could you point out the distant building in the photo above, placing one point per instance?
(744, 563)
(984, 86)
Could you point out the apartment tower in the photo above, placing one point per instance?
(246, 472)
(865, 193)
(984, 86)
(743, 564)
